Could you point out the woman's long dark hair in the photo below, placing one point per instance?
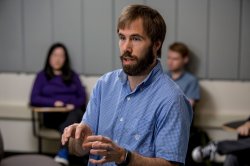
(66, 68)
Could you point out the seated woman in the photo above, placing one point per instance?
(57, 85)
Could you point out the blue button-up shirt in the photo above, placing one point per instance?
(189, 84)
(153, 120)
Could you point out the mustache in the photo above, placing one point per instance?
(127, 55)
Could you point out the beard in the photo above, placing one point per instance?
(141, 65)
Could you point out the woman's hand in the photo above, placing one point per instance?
(70, 106)
(58, 103)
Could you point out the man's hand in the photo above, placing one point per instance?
(75, 135)
(106, 148)
(244, 129)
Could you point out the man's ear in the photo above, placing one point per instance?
(186, 60)
(157, 45)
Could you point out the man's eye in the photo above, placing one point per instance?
(136, 38)
(122, 37)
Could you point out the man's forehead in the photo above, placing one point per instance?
(174, 54)
(135, 26)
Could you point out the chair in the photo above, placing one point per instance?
(39, 130)
(26, 159)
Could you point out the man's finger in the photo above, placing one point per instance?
(87, 145)
(99, 138)
(79, 131)
(64, 139)
(100, 145)
(100, 152)
(70, 130)
(101, 161)
(64, 136)
(67, 133)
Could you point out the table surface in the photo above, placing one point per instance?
(50, 109)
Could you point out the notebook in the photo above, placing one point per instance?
(233, 125)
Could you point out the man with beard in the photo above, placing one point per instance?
(136, 115)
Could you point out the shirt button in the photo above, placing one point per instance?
(128, 98)
(121, 119)
(116, 141)
(137, 137)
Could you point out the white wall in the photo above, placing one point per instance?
(15, 88)
(225, 97)
(222, 101)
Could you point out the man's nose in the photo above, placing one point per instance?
(128, 46)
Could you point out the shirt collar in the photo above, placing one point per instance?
(155, 72)
(170, 75)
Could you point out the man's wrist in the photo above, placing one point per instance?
(125, 159)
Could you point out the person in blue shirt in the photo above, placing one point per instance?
(177, 59)
(136, 115)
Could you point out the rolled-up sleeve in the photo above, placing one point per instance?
(172, 131)
(91, 115)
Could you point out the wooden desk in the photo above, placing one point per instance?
(40, 131)
(50, 109)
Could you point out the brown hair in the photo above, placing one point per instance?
(181, 48)
(153, 23)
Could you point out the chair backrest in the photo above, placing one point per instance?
(1, 147)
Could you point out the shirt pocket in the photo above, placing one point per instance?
(141, 136)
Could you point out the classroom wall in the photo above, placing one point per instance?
(218, 33)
